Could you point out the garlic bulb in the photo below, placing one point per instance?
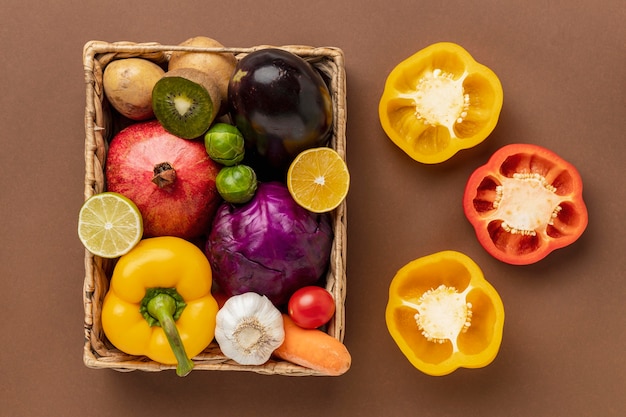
(249, 328)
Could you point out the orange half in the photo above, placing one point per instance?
(318, 179)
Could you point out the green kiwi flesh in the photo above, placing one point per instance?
(182, 106)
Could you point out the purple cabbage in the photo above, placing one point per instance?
(270, 245)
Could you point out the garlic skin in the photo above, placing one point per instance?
(249, 328)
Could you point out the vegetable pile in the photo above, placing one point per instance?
(219, 201)
(524, 203)
(215, 245)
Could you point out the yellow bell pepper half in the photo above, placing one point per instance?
(444, 315)
(438, 102)
(159, 303)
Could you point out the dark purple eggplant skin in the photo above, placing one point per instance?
(281, 105)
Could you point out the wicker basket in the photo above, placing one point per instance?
(101, 123)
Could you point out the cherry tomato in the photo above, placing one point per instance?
(311, 307)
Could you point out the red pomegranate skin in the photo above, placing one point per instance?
(183, 208)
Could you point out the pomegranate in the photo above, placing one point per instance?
(170, 179)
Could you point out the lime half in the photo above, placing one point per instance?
(109, 225)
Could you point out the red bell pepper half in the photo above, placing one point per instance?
(525, 202)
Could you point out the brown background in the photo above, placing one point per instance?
(562, 66)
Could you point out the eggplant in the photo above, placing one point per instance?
(281, 105)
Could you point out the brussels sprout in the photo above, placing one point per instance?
(236, 184)
(225, 144)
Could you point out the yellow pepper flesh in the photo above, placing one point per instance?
(160, 263)
(438, 102)
(444, 315)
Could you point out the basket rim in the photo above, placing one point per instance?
(94, 47)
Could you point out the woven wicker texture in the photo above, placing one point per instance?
(100, 127)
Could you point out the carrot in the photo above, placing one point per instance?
(314, 349)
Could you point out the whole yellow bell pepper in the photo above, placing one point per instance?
(159, 303)
(438, 102)
(444, 315)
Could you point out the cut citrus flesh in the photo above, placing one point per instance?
(109, 225)
(318, 179)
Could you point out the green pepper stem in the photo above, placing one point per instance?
(162, 307)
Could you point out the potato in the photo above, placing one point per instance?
(128, 85)
(219, 65)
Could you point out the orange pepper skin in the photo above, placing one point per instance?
(423, 314)
(438, 102)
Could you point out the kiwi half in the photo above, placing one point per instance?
(186, 101)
